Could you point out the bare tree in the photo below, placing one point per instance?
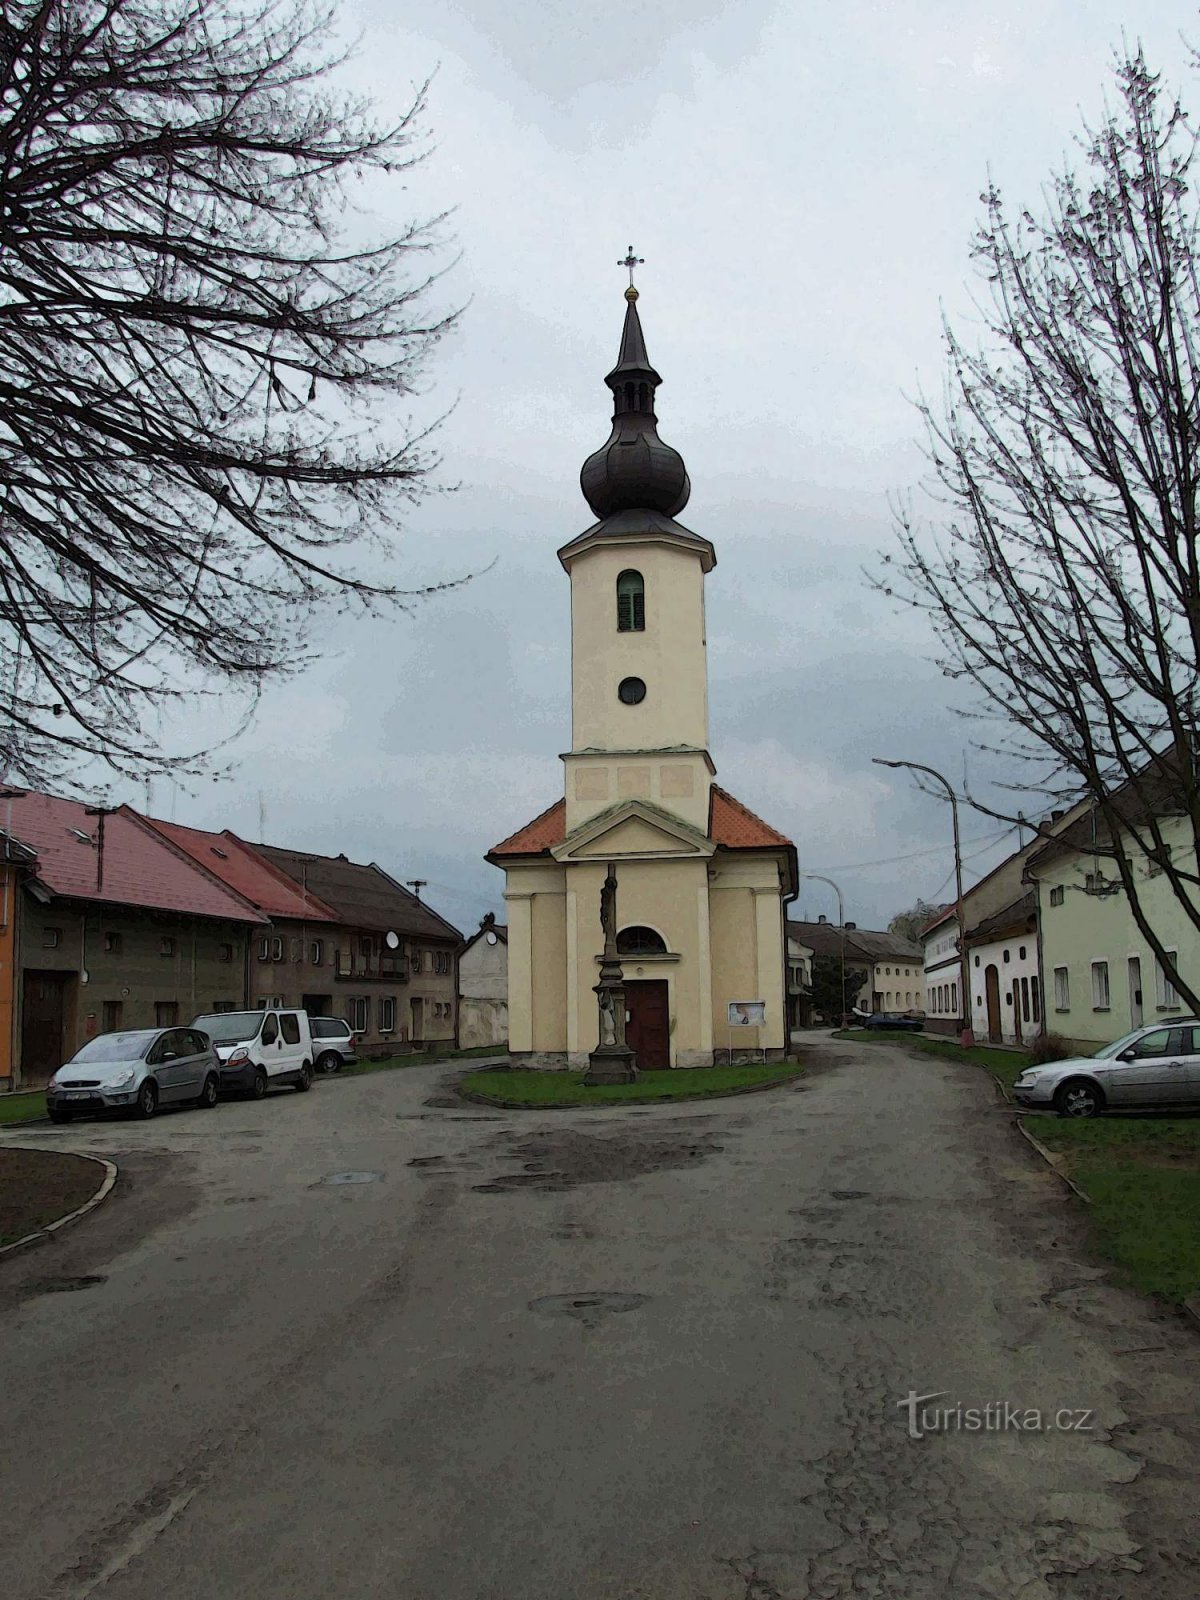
(1061, 570)
(908, 924)
(192, 356)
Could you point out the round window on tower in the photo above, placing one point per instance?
(632, 691)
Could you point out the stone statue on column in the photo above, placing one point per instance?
(612, 1061)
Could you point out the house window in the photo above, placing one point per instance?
(111, 1015)
(316, 952)
(51, 938)
(954, 997)
(1036, 999)
(1006, 955)
(166, 1013)
(364, 947)
(270, 1002)
(112, 944)
(639, 941)
(1062, 989)
(1021, 952)
(221, 1005)
(1057, 895)
(166, 947)
(631, 603)
(297, 949)
(1025, 999)
(276, 949)
(225, 952)
(1167, 996)
(264, 949)
(414, 959)
(387, 1014)
(1100, 986)
(358, 1013)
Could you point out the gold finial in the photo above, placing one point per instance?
(631, 261)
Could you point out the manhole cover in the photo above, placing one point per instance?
(353, 1177)
(587, 1307)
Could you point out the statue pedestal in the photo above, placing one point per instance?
(611, 1063)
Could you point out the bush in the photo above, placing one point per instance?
(1049, 1047)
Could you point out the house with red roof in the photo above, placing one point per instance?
(701, 881)
(114, 926)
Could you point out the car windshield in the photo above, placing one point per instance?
(117, 1046)
(230, 1027)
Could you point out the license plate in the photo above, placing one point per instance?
(75, 1094)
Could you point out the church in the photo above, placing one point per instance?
(702, 881)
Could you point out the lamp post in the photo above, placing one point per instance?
(966, 1037)
(816, 877)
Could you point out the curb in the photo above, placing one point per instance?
(604, 1105)
(1192, 1308)
(1053, 1161)
(102, 1193)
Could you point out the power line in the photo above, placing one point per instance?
(986, 840)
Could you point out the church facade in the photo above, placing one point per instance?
(702, 881)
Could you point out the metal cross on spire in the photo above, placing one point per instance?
(632, 261)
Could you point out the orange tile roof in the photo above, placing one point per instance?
(730, 824)
(246, 871)
(736, 827)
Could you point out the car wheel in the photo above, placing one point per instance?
(59, 1114)
(1078, 1098)
(147, 1101)
(329, 1062)
(304, 1079)
(208, 1095)
(259, 1087)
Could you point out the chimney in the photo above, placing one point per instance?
(822, 919)
(1057, 816)
(852, 925)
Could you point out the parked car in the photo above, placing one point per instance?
(259, 1049)
(1151, 1067)
(136, 1072)
(895, 1019)
(334, 1044)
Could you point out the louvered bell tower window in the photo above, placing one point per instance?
(631, 603)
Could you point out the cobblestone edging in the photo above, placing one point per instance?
(101, 1194)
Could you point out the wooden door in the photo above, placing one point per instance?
(648, 1029)
(43, 1023)
(991, 984)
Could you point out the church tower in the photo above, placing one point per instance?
(639, 670)
(701, 880)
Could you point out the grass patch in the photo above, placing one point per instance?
(1006, 1064)
(1143, 1177)
(528, 1088)
(22, 1107)
(39, 1186)
(419, 1058)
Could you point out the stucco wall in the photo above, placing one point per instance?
(482, 1022)
(1086, 928)
(483, 970)
(747, 932)
(1020, 1001)
(669, 655)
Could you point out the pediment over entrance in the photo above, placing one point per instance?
(633, 829)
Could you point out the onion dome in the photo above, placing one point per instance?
(635, 470)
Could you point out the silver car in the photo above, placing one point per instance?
(136, 1072)
(1154, 1067)
(334, 1044)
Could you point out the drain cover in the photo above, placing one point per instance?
(353, 1177)
(587, 1307)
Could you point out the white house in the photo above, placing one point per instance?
(483, 987)
(942, 974)
(1002, 954)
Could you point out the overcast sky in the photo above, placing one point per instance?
(803, 182)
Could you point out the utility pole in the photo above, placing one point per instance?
(816, 877)
(416, 885)
(966, 1037)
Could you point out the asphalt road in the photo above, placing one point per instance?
(648, 1354)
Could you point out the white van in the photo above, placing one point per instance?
(259, 1049)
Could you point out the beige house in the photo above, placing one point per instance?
(701, 880)
(1101, 978)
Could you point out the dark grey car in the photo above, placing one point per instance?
(334, 1044)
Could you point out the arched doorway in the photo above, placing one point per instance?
(991, 986)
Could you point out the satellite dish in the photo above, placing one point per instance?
(490, 937)
(392, 939)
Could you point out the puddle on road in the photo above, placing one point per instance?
(560, 1159)
(351, 1177)
(588, 1307)
(65, 1285)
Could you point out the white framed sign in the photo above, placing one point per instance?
(747, 1013)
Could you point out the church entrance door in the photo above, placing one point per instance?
(648, 1030)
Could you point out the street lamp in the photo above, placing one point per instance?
(816, 877)
(967, 1037)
